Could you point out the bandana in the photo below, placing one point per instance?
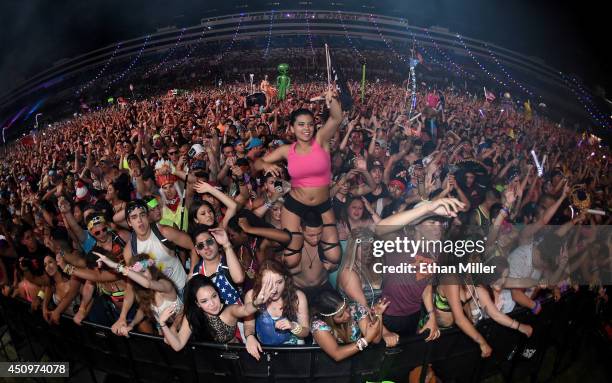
(96, 220)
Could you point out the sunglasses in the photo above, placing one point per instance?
(208, 243)
(101, 231)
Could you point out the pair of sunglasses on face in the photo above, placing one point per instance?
(99, 232)
(207, 243)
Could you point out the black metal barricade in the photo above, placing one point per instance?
(453, 357)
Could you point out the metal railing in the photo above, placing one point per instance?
(453, 356)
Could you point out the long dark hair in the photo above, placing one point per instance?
(196, 317)
(300, 112)
(144, 296)
(289, 296)
(327, 302)
(193, 211)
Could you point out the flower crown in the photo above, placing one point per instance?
(142, 265)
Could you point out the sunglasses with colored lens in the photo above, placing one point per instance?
(208, 243)
(99, 232)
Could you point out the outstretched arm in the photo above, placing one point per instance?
(334, 120)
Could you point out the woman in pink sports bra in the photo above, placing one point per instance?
(309, 165)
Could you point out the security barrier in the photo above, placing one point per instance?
(454, 357)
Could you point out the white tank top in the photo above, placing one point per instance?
(158, 310)
(164, 259)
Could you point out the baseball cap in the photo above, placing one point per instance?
(255, 142)
(81, 191)
(195, 150)
(398, 183)
(376, 164)
(237, 142)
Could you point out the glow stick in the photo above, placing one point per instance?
(537, 163)
(415, 117)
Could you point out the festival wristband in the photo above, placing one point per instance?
(536, 307)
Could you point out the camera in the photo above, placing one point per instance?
(278, 186)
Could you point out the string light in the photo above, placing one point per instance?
(429, 55)
(524, 89)
(231, 45)
(413, 97)
(399, 56)
(168, 55)
(134, 61)
(588, 98)
(269, 34)
(191, 50)
(97, 76)
(585, 106)
(348, 37)
(309, 34)
(459, 68)
(479, 64)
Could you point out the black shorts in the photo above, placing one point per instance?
(312, 292)
(299, 209)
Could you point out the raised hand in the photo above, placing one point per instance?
(202, 187)
(265, 292)
(220, 236)
(380, 306)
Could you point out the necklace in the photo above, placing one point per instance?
(311, 259)
(250, 271)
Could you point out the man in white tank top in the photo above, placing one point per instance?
(136, 213)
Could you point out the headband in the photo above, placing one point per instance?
(96, 220)
(337, 311)
(133, 205)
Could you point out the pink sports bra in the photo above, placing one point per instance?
(309, 170)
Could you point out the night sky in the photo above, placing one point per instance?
(567, 35)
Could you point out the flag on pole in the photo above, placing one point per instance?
(489, 96)
(528, 112)
(328, 64)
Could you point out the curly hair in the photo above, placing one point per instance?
(289, 295)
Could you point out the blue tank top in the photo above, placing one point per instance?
(269, 335)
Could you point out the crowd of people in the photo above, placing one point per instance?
(203, 216)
